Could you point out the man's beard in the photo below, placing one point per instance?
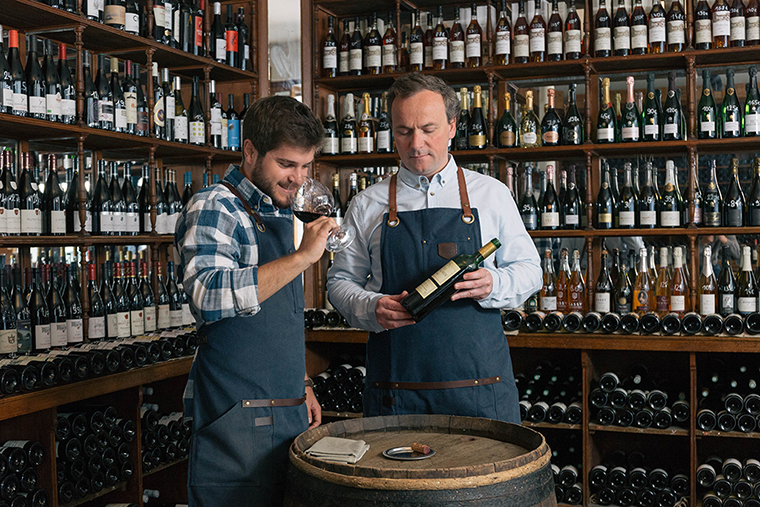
(266, 185)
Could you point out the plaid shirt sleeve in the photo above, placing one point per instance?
(218, 256)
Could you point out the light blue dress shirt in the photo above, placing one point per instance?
(355, 279)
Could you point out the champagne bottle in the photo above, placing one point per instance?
(708, 286)
(573, 126)
(331, 141)
(551, 124)
(706, 117)
(384, 134)
(477, 129)
(746, 287)
(678, 285)
(440, 286)
(602, 32)
(577, 286)
(503, 37)
(548, 294)
(734, 211)
(562, 281)
(713, 200)
(349, 132)
(605, 201)
(506, 133)
(731, 110)
(672, 121)
(752, 106)
(726, 286)
(606, 120)
(366, 139)
(670, 203)
(528, 206)
(652, 114)
(461, 141)
(603, 291)
(550, 205)
(643, 294)
(627, 204)
(529, 125)
(630, 124)
(572, 204)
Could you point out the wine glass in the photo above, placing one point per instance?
(312, 200)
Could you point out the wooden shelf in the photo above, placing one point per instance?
(164, 467)
(338, 335)
(94, 496)
(728, 434)
(558, 426)
(84, 240)
(672, 431)
(25, 403)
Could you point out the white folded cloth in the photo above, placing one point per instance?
(338, 450)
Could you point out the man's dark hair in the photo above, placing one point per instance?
(409, 84)
(273, 121)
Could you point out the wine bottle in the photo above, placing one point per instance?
(122, 304)
(53, 214)
(706, 117)
(35, 82)
(746, 287)
(8, 332)
(702, 26)
(562, 281)
(196, 117)
(738, 24)
(440, 287)
(96, 324)
(708, 286)
(218, 41)
(131, 205)
(20, 92)
(503, 37)
(606, 122)
(721, 24)
(244, 50)
(548, 297)
(550, 205)
(149, 308)
(461, 141)
(506, 133)
(752, 15)
(349, 132)
(105, 96)
(366, 131)
(528, 206)
(631, 120)
(602, 32)
(39, 315)
(141, 104)
(416, 44)
(477, 129)
(529, 124)
(577, 286)
(676, 27)
(119, 102)
(136, 302)
(329, 48)
(56, 310)
(23, 314)
(6, 82)
(372, 48)
(163, 320)
(331, 142)
(30, 200)
(215, 120)
(231, 39)
(752, 106)
(102, 205)
(670, 203)
(622, 30)
(672, 121)
(537, 35)
(657, 29)
(456, 43)
(179, 118)
(175, 298)
(355, 51)
(573, 35)
(731, 110)
(643, 295)
(573, 127)
(734, 203)
(551, 124)
(603, 291)
(554, 35)
(53, 104)
(572, 204)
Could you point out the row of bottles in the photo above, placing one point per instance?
(729, 482)
(729, 397)
(33, 204)
(551, 393)
(318, 318)
(94, 449)
(567, 466)
(631, 479)
(165, 437)
(341, 386)
(641, 399)
(371, 134)
(19, 473)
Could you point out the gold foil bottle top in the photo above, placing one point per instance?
(489, 248)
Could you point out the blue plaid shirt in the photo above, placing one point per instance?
(218, 254)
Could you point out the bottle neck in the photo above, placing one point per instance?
(630, 97)
(707, 269)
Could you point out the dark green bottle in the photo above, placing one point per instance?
(606, 125)
(706, 112)
(731, 111)
(506, 132)
(605, 202)
(572, 128)
(651, 113)
(671, 130)
(752, 106)
(713, 200)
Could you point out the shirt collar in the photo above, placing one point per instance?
(416, 181)
(255, 197)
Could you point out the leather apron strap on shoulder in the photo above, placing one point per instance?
(259, 222)
(464, 199)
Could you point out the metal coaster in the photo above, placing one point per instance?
(406, 454)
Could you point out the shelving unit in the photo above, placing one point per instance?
(33, 415)
(597, 353)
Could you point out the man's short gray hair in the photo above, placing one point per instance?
(409, 84)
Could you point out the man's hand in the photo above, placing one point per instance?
(313, 409)
(314, 238)
(390, 314)
(476, 285)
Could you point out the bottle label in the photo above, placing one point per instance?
(58, 334)
(550, 219)
(366, 145)
(548, 303)
(20, 102)
(31, 221)
(8, 343)
(605, 134)
(233, 133)
(159, 15)
(216, 121)
(530, 221)
(662, 303)
(602, 302)
(389, 55)
(703, 30)
(231, 41)
(105, 110)
(670, 218)
(130, 99)
(175, 318)
(355, 59)
(473, 45)
(605, 218)
(503, 41)
(507, 138)
(149, 323)
(676, 33)
(180, 129)
(706, 304)
(330, 145)
(631, 133)
(6, 95)
(123, 325)
(727, 303)
(224, 134)
(549, 137)
(734, 217)
(457, 51)
(627, 218)
(348, 145)
(440, 48)
(639, 36)
(132, 221)
(522, 46)
(137, 322)
(220, 52)
(648, 217)
(706, 126)
(697, 214)
(164, 319)
(37, 105)
(428, 56)
(641, 301)
(537, 40)
(330, 57)
(602, 39)
(622, 37)
(161, 223)
(24, 336)
(753, 28)
(656, 30)
(58, 222)
(197, 132)
(112, 319)
(754, 216)
(677, 303)
(752, 123)
(746, 305)
(529, 138)
(651, 130)
(737, 28)
(121, 118)
(383, 140)
(712, 218)
(721, 23)
(571, 220)
(187, 315)
(554, 43)
(42, 336)
(445, 273)
(374, 56)
(416, 53)
(170, 106)
(343, 62)
(198, 35)
(132, 22)
(96, 328)
(573, 41)
(731, 126)
(670, 128)
(53, 104)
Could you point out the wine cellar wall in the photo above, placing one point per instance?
(593, 125)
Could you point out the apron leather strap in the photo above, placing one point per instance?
(282, 402)
(422, 386)
(467, 216)
(259, 222)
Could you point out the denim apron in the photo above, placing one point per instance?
(239, 451)
(456, 361)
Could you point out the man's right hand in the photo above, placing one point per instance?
(314, 238)
(390, 314)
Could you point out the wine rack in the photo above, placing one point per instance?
(681, 356)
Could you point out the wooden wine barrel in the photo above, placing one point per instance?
(478, 462)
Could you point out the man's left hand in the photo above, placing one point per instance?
(313, 409)
(476, 285)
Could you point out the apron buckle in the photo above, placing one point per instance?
(467, 219)
(393, 223)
